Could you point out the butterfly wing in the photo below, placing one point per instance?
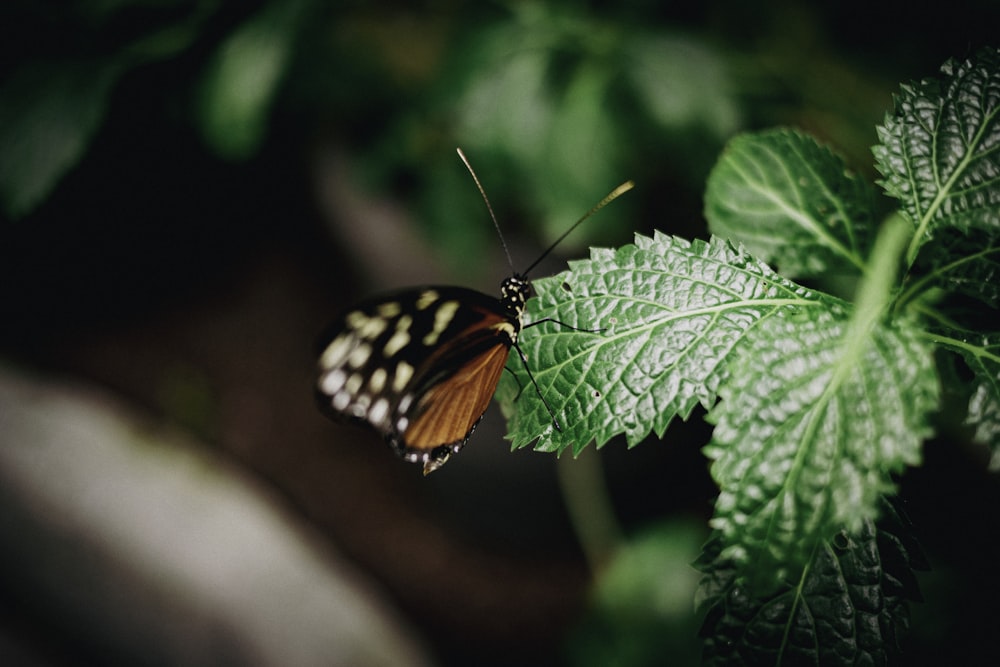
(419, 366)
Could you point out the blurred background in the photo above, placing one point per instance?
(191, 189)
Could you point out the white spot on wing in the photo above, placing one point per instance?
(426, 298)
(332, 381)
(377, 380)
(359, 355)
(360, 407)
(356, 319)
(389, 309)
(373, 328)
(442, 318)
(404, 373)
(507, 328)
(400, 339)
(353, 384)
(335, 352)
(365, 326)
(378, 411)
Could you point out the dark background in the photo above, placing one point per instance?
(189, 272)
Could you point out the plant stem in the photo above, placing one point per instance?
(588, 503)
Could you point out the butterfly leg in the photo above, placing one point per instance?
(562, 324)
(524, 362)
(520, 387)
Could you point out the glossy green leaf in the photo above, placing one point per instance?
(670, 313)
(810, 429)
(791, 202)
(940, 149)
(848, 606)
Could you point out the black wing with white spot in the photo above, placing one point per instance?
(420, 366)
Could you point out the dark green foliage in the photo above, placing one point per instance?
(817, 403)
(849, 605)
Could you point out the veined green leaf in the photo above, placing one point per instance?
(960, 263)
(849, 605)
(940, 149)
(815, 418)
(792, 202)
(670, 313)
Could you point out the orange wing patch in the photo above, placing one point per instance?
(452, 408)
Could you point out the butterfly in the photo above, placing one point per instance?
(420, 365)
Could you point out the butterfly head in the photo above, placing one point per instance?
(514, 293)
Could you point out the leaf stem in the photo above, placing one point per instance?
(879, 281)
(581, 480)
(979, 351)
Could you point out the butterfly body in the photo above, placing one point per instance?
(421, 365)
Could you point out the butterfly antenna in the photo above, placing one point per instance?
(488, 207)
(613, 195)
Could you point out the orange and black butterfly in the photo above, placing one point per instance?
(420, 365)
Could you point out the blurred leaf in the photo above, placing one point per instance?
(792, 202)
(582, 149)
(48, 115)
(50, 109)
(241, 80)
(539, 96)
(683, 82)
(640, 611)
(508, 101)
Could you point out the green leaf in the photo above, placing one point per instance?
(544, 83)
(966, 264)
(809, 432)
(51, 107)
(940, 149)
(242, 79)
(984, 408)
(683, 82)
(792, 202)
(640, 610)
(48, 115)
(671, 311)
(509, 104)
(982, 355)
(849, 605)
(570, 169)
